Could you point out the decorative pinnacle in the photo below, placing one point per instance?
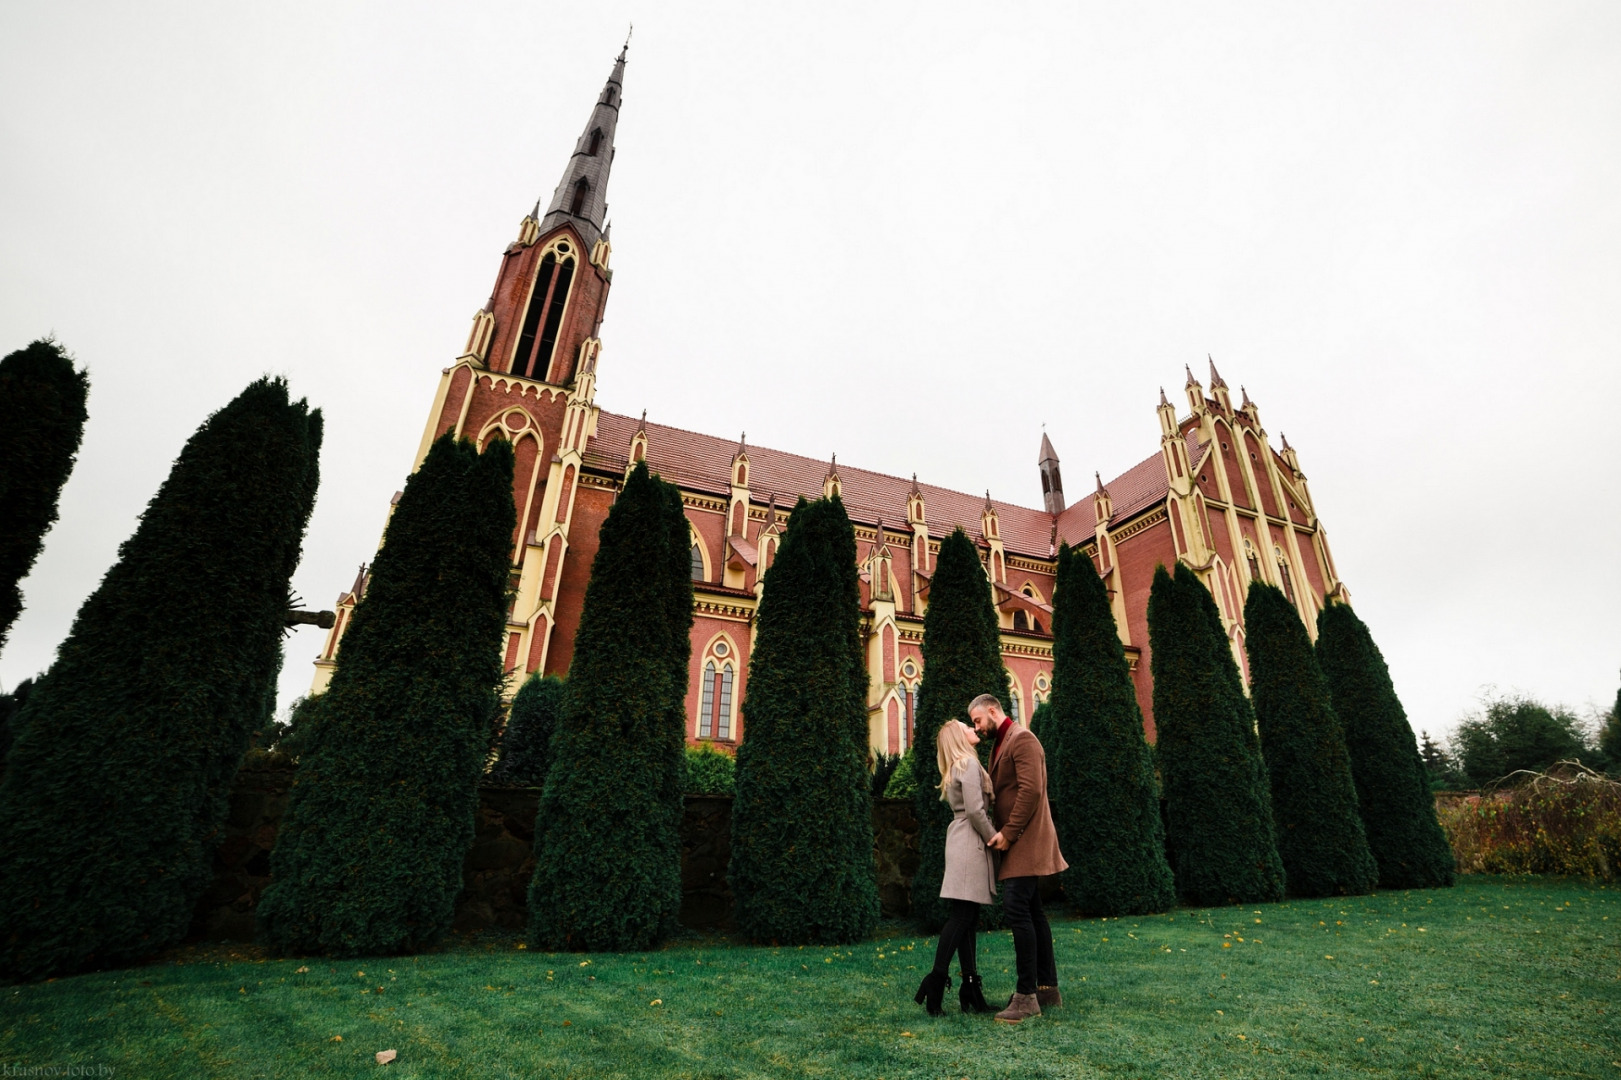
(643, 425)
(1215, 376)
(1285, 439)
(535, 213)
(1191, 380)
(1247, 403)
(989, 508)
(1162, 399)
(742, 442)
(626, 47)
(915, 490)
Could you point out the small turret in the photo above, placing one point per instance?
(1218, 387)
(831, 488)
(1052, 485)
(1195, 392)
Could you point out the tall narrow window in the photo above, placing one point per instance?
(1013, 700)
(1020, 621)
(706, 704)
(1283, 573)
(697, 563)
(582, 189)
(1255, 564)
(723, 714)
(596, 142)
(544, 317)
(909, 719)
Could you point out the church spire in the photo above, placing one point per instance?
(582, 198)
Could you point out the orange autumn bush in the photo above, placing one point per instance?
(1566, 821)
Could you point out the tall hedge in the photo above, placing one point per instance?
(1100, 772)
(369, 856)
(607, 837)
(42, 415)
(127, 746)
(1392, 787)
(1219, 831)
(1314, 805)
(962, 659)
(802, 866)
(525, 751)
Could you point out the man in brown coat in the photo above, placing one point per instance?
(1029, 846)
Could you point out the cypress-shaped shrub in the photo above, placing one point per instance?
(118, 781)
(962, 659)
(1393, 791)
(1219, 831)
(1100, 772)
(607, 837)
(369, 856)
(1038, 723)
(1314, 805)
(42, 415)
(802, 867)
(525, 752)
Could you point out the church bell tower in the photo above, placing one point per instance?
(527, 374)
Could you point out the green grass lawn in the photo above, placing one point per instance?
(1497, 977)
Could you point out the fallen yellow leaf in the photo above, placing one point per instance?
(302, 971)
(656, 1001)
(907, 1035)
(336, 1038)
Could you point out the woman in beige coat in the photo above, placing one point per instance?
(970, 875)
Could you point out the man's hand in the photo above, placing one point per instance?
(1000, 842)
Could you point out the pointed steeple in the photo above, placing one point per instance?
(1052, 484)
(582, 197)
(1215, 376)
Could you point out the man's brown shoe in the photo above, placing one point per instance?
(1049, 997)
(1020, 1007)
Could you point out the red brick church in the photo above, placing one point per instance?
(1215, 494)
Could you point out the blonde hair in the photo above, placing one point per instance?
(952, 748)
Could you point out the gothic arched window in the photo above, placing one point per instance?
(596, 142)
(1020, 621)
(1255, 563)
(697, 563)
(1283, 574)
(544, 318)
(715, 703)
(582, 189)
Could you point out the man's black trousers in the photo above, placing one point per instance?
(1032, 936)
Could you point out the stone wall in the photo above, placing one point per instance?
(501, 860)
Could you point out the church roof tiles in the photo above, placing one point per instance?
(702, 463)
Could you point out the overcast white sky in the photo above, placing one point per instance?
(906, 233)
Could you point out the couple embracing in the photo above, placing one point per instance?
(1016, 852)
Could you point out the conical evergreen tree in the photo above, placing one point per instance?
(1100, 772)
(1392, 787)
(1314, 805)
(802, 860)
(962, 659)
(607, 838)
(526, 743)
(1218, 813)
(369, 856)
(42, 415)
(127, 747)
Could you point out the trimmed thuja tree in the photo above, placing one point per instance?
(369, 856)
(126, 749)
(42, 415)
(1100, 772)
(1219, 830)
(607, 837)
(526, 743)
(802, 864)
(1314, 806)
(1392, 787)
(962, 659)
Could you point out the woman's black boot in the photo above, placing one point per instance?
(932, 992)
(972, 995)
